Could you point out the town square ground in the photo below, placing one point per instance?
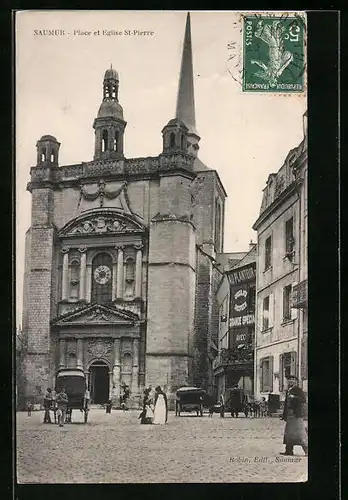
(115, 448)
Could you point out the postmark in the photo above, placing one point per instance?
(274, 53)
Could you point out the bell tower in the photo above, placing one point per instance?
(109, 125)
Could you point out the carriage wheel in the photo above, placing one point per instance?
(85, 417)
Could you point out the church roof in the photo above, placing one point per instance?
(110, 108)
(111, 74)
(185, 107)
(48, 138)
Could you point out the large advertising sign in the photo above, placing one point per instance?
(242, 305)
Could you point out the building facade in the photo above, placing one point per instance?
(280, 341)
(119, 276)
(234, 363)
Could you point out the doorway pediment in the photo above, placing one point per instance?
(97, 314)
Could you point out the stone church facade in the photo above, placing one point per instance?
(120, 270)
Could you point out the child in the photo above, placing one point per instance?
(263, 407)
(29, 408)
(108, 406)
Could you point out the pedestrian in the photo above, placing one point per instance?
(86, 399)
(125, 397)
(54, 404)
(47, 406)
(108, 406)
(146, 416)
(62, 404)
(29, 408)
(161, 407)
(222, 405)
(295, 432)
(263, 407)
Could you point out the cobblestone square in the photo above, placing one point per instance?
(115, 448)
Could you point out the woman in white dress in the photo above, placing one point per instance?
(161, 409)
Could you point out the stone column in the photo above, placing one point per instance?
(119, 290)
(88, 290)
(135, 388)
(65, 273)
(111, 377)
(79, 351)
(138, 270)
(61, 353)
(116, 381)
(83, 251)
(114, 281)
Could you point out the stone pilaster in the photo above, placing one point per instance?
(83, 270)
(138, 271)
(79, 351)
(116, 381)
(119, 290)
(65, 274)
(135, 369)
(62, 348)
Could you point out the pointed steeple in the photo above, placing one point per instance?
(185, 107)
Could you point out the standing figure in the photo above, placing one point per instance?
(47, 406)
(295, 432)
(161, 407)
(54, 404)
(263, 407)
(62, 404)
(125, 397)
(222, 408)
(29, 408)
(146, 416)
(108, 406)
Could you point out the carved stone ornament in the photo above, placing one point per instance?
(102, 274)
(99, 315)
(99, 348)
(102, 225)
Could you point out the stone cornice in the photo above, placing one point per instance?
(283, 196)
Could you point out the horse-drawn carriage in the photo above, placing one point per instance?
(189, 399)
(74, 382)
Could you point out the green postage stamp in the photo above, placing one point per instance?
(274, 53)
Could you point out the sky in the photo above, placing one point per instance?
(244, 136)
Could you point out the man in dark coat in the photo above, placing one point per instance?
(295, 432)
(47, 406)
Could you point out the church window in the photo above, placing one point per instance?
(52, 157)
(183, 142)
(172, 140)
(43, 155)
(113, 91)
(104, 141)
(129, 278)
(74, 279)
(102, 278)
(72, 361)
(116, 138)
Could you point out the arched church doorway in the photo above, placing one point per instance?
(99, 382)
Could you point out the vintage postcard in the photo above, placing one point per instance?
(161, 173)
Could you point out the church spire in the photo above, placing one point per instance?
(185, 106)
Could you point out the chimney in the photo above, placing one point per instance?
(251, 245)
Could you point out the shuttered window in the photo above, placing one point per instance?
(266, 374)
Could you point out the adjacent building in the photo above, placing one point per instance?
(234, 363)
(120, 272)
(281, 281)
